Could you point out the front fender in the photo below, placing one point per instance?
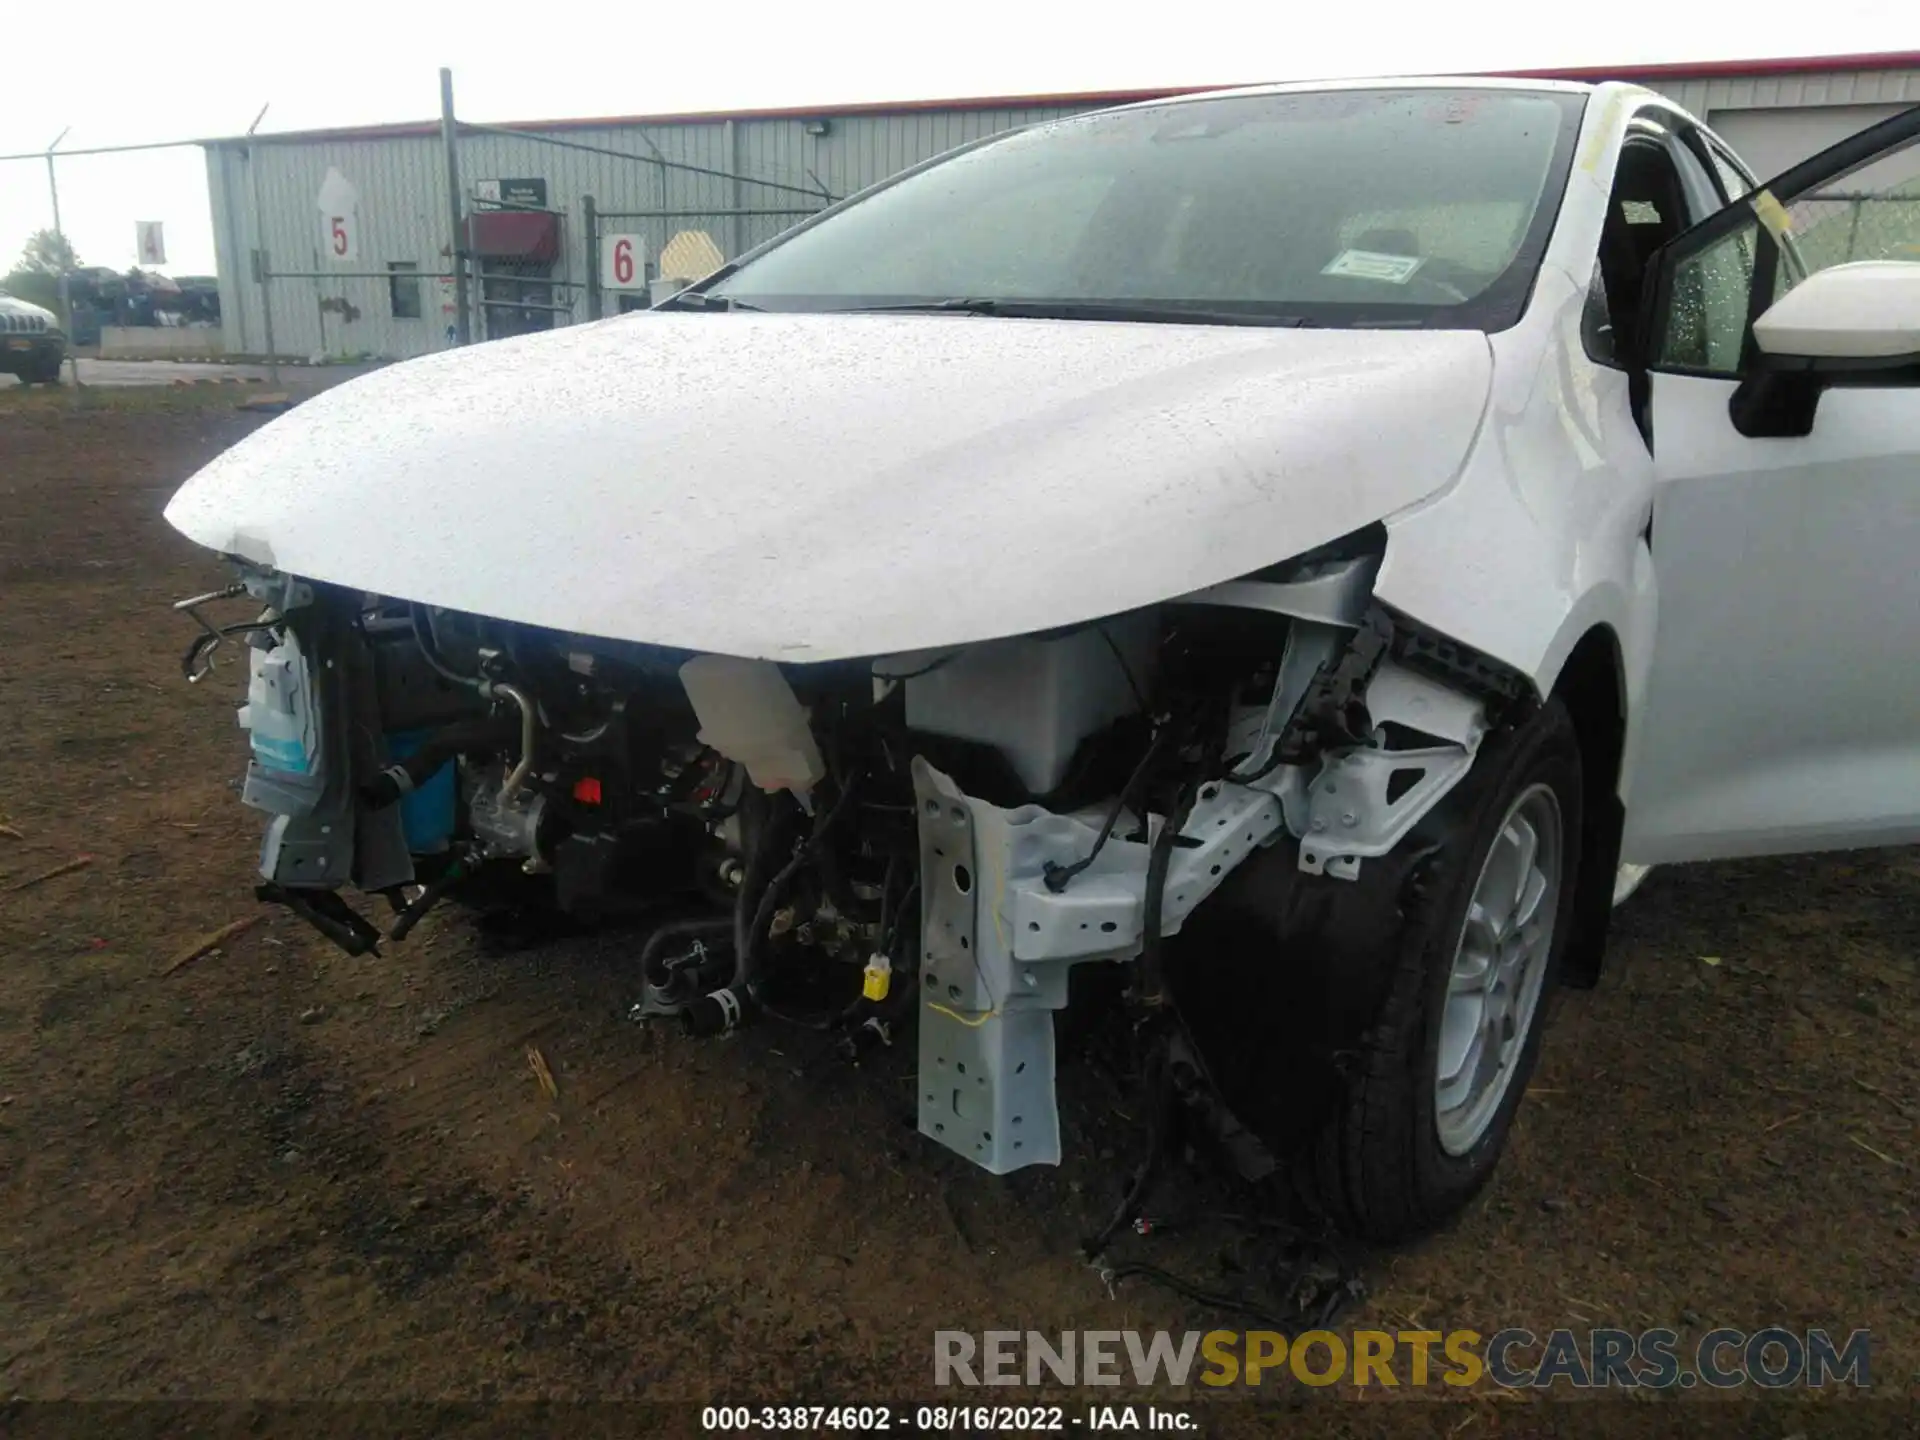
(1543, 536)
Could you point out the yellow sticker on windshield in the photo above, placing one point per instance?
(1772, 214)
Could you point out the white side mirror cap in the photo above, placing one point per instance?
(1866, 310)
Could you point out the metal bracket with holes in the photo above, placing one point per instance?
(1365, 799)
(997, 943)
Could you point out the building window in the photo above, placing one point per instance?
(403, 289)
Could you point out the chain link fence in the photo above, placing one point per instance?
(388, 242)
(1836, 227)
(107, 288)
(394, 241)
(651, 212)
(423, 238)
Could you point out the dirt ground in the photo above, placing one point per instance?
(276, 1171)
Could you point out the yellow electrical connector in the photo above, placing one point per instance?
(877, 978)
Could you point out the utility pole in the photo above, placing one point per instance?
(260, 248)
(463, 328)
(66, 282)
(590, 233)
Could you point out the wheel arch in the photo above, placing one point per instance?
(1592, 685)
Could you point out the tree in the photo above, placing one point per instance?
(48, 252)
(36, 287)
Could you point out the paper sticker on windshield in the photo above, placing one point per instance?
(1374, 265)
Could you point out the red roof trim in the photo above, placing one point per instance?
(1728, 69)
(1686, 70)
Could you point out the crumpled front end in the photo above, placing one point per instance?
(933, 839)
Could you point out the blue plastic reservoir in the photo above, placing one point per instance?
(426, 814)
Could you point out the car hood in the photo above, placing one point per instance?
(819, 487)
(14, 305)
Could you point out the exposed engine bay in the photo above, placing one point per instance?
(926, 841)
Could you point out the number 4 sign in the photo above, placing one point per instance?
(623, 262)
(339, 206)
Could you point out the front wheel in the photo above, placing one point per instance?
(1437, 1078)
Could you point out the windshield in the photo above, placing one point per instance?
(1345, 207)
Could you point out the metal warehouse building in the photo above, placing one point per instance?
(567, 220)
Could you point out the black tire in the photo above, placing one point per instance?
(1376, 1168)
(44, 373)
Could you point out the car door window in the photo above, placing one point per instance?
(1659, 191)
(1707, 321)
(1715, 296)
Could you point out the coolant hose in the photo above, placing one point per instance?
(409, 774)
(717, 1013)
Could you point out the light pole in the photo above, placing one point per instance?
(260, 248)
(66, 283)
(449, 140)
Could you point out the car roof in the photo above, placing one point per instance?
(1404, 82)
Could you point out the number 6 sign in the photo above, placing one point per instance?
(623, 262)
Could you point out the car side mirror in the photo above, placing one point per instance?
(1863, 315)
(1852, 324)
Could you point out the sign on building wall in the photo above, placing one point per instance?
(690, 255)
(623, 262)
(527, 194)
(150, 241)
(339, 206)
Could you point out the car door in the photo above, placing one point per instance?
(1782, 709)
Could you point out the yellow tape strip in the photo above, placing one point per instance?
(1772, 214)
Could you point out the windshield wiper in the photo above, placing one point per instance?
(702, 300)
(1083, 310)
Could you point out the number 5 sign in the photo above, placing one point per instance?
(339, 206)
(623, 262)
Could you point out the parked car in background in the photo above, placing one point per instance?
(32, 344)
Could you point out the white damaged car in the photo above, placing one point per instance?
(1286, 551)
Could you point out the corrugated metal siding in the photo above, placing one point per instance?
(401, 181)
(1781, 92)
(230, 269)
(402, 185)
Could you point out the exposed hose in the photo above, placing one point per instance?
(758, 835)
(205, 643)
(716, 1013)
(429, 896)
(430, 648)
(529, 728)
(407, 775)
(1147, 972)
(705, 928)
(529, 713)
(1058, 876)
(749, 927)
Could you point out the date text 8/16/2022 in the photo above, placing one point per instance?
(942, 1419)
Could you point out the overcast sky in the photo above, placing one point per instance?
(119, 73)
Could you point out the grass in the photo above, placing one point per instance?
(139, 400)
